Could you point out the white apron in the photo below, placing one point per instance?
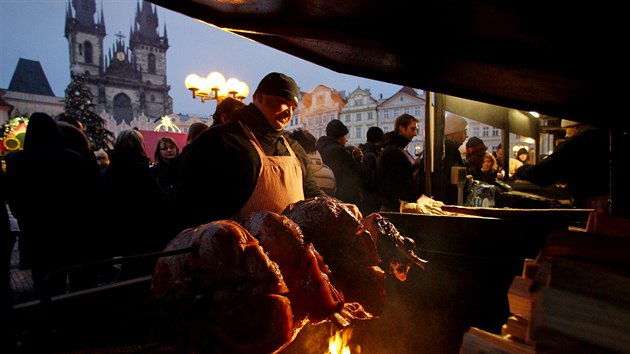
(279, 181)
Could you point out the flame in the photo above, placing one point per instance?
(338, 344)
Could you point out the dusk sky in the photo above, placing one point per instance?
(34, 29)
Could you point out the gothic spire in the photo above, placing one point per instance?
(147, 22)
(102, 21)
(165, 37)
(85, 10)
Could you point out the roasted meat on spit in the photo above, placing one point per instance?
(226, 295)
(251, 287)
(313, 297)
(346, 247)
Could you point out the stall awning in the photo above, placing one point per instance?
(560, 58)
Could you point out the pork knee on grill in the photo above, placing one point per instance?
(225, 295)
(346, 247)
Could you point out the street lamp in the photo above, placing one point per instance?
(215, 87)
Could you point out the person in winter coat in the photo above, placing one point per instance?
(397, 168)
(246, 164)
(582, 161)
(50, 193)
(345, 165)
(455, 133)
(166, 166)
(137, 206)
(369, 171)
(323, 174)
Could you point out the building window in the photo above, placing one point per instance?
(370, 116)
(485, 131)
(417, 111)
(152, 98)
(357, 132)
(358, 117)
(386, 114)
(347, 118)
(495, 131)
(396, 112)
(122, 109)
(151, 63)
(88, 52)
(475, 131)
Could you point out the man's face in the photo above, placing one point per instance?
(277, 110)
(343, 140)
(571, 131)
(410, 131)
(476, 158)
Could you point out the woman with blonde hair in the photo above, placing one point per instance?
(489, 168)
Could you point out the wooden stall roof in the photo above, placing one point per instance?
(561, 58)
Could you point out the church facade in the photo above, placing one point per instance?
(126, 81)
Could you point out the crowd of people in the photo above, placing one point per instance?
(62, 191)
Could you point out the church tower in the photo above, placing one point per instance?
(149, 50)
(85, 38)
(126, 82)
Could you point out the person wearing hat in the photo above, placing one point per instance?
(246, 164)
(582, 162)
(570, 127)
(455, 133)
(369, 170)
(475, 152)
(346, 165)
(522, 155)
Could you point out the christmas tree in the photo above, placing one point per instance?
(80, 107)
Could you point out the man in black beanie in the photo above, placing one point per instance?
(246, 164)
(475, 151)
(345, 165)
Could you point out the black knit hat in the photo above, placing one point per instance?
(281, 85)
(475, 144)
(336, 129)
(375, 135)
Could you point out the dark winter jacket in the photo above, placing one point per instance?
(137, 205)
(347, 170)
(582, 161)
(369, 179)
(452, 158)
(50, 196)
(166, 175)
(397, 174)
(220, 171)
